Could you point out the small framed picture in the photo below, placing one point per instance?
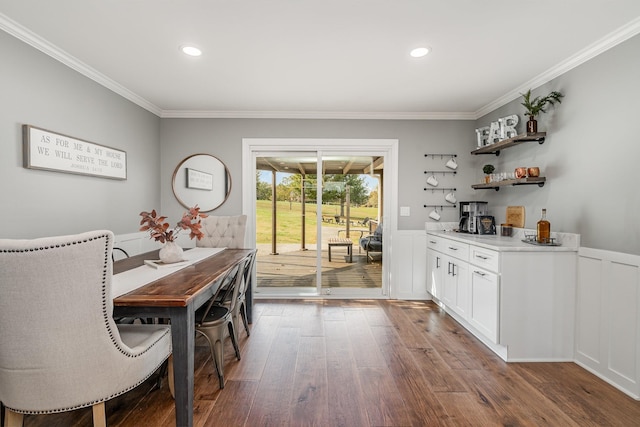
(199, 180)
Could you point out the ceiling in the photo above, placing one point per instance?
(321, 58)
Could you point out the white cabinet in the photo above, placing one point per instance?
(449, 273)
(434, 273)
(484, 311)
(517, 299)
(456, 285)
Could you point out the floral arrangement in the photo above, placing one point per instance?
(159, 230)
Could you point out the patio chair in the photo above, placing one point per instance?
(372, 243)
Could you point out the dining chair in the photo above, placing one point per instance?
(240, 308)
(228, 232)
(215, 321)
(60, 348)
(223, 231)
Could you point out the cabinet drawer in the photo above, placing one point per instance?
(485, 258)
(436, 243)
(456, 249)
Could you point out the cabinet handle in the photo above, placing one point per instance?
(437, 262)
(452, 248)
(449, 268)
(453, 269)
(479, 273)
(433, 242)
(482, 257)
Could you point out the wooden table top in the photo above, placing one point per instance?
(177, 289)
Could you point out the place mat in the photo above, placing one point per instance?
(129, 280)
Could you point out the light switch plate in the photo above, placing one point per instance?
(405, 211)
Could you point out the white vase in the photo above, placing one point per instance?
(171, 252)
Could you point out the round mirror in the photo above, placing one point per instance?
(203, 180)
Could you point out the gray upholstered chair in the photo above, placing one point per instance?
(223, 231)
(60, 348)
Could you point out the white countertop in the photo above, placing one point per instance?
(568, 242)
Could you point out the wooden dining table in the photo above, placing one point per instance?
(177, 296)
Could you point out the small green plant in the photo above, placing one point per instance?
(488, 169)
(538, 104)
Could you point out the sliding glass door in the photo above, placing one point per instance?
(312, 208)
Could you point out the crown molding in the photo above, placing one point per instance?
(317, 115)
(610, 40)
(34, 40)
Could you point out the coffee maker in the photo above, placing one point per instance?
(470, 213)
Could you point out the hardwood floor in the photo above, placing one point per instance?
(370, 363)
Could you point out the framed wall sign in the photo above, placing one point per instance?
(199, 180)
(51, 151)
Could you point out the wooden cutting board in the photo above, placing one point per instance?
(515, 216)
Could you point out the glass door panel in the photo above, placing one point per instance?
(286, 235)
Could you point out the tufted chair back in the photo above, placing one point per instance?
(60, 348)
(223, 231)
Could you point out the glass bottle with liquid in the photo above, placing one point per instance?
(544, 229)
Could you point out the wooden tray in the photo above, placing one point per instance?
(515, 216)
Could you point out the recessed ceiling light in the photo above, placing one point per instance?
(419, 52)
(191, 50)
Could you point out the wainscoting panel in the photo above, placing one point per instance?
(608, 316)
(409, 272)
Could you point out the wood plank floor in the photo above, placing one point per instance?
(370, 363)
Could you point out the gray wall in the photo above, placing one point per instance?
(40, 91)
(223, 139)
(590, 157)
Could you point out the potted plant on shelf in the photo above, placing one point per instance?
(538, 105)
(488, 170)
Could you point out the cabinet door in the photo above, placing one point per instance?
(434, 273)
(484, 313)
(449, 282)
(460, 273)
(456, 285)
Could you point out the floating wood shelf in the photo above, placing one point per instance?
(511, 142)
(539, 181)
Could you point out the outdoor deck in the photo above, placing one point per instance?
(295, 267)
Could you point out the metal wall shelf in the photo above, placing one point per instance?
(539, 181)
(495, 148)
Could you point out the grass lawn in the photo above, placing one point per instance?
(289, 220)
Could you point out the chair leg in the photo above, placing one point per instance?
(234, 340)
(218, 357)
(13, 419)
(243, 314)
(99, 416)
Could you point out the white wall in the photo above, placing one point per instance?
(38, 90)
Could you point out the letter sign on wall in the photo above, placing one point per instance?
(61, 153)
